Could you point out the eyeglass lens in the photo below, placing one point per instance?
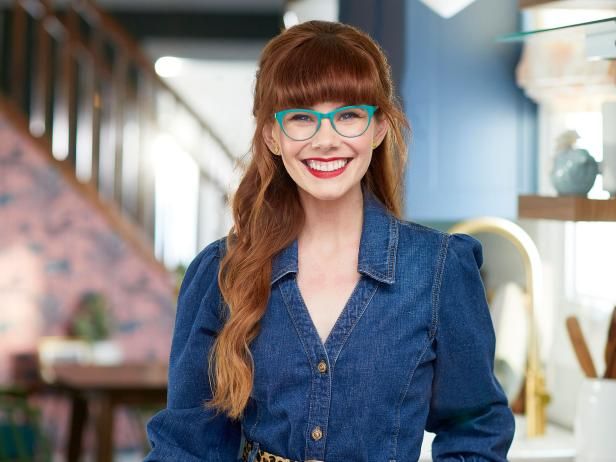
(301, 125)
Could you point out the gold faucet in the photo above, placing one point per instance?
(536, 397)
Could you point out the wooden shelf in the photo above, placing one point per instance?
(570, 208)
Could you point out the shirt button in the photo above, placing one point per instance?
(322, 367)
(317, 434)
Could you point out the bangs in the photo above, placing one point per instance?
(325, 69)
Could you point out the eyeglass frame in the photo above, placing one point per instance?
(279, 116)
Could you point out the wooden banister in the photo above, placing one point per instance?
(18, 54)
(100, 20)
(90, 84)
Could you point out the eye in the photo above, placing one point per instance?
(350, 115)
(300, 117)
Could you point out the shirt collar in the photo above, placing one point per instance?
(377, 247)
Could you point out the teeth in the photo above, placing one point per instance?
(327, 166)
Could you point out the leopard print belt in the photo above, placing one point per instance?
(264, 456)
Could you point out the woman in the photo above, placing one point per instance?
(323, 327)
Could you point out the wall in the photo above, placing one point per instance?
(54, 246)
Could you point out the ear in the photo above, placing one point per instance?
(271, 137)
(381, 128)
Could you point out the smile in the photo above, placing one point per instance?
(326, 168)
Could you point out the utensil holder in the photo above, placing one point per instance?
(595, 421)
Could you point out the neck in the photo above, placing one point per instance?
(332, 224)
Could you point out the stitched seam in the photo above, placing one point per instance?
(329, 403)
(283, 272)
(393, 246)
(403, 396)
(419, 227)
(438, 278)
(252, 429)
(375, 275)
(307, 434)
(284, 299)
(355, 323)
(332, 337)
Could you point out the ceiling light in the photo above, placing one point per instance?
(168, 66)
(447, 8)
(290, 19)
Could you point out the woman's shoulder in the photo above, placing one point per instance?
(215, 250)
(199, 289)
(412, 233)
(204, 266)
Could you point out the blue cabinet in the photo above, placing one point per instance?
(472, 147)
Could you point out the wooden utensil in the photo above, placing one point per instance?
(610, 348)
(580, 347)
(610, 370)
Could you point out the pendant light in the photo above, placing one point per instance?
(447, 8)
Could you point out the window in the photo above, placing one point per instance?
(590, 247)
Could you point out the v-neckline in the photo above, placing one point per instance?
(341, 315)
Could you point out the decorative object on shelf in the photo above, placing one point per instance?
(574, 170)
(92, 323)
(608, 165)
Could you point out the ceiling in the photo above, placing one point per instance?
(245, 6)
(219, 5)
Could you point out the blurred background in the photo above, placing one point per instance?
(124, 126)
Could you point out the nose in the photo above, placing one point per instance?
(326, 137)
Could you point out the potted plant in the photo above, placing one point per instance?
(92, 322)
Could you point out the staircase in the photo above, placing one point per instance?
(76, 81)
(90, 137)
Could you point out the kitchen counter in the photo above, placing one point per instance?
(557, 445)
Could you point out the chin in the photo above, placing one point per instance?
(326, 194)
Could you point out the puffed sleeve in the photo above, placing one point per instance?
(185, 431)
(468, 408)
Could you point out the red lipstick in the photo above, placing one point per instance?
(329, 174)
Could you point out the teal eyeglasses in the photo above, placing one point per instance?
(348, 121)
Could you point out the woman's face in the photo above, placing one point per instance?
(327, 166)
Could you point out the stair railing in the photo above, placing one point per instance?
(88, 88)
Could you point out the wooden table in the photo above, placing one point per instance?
(105, 387)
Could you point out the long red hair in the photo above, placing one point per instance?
(312, 62)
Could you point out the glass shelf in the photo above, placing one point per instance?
(601, 26)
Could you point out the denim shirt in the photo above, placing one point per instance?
(413, 349)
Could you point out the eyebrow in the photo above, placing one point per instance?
(336, 108)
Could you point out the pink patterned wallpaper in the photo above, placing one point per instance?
(54, 247)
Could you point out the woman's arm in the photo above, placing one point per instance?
(468, 409)
(185, 431)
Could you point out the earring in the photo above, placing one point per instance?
(275, 149)
(374, 145)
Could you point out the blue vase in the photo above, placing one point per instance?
(574, 172)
